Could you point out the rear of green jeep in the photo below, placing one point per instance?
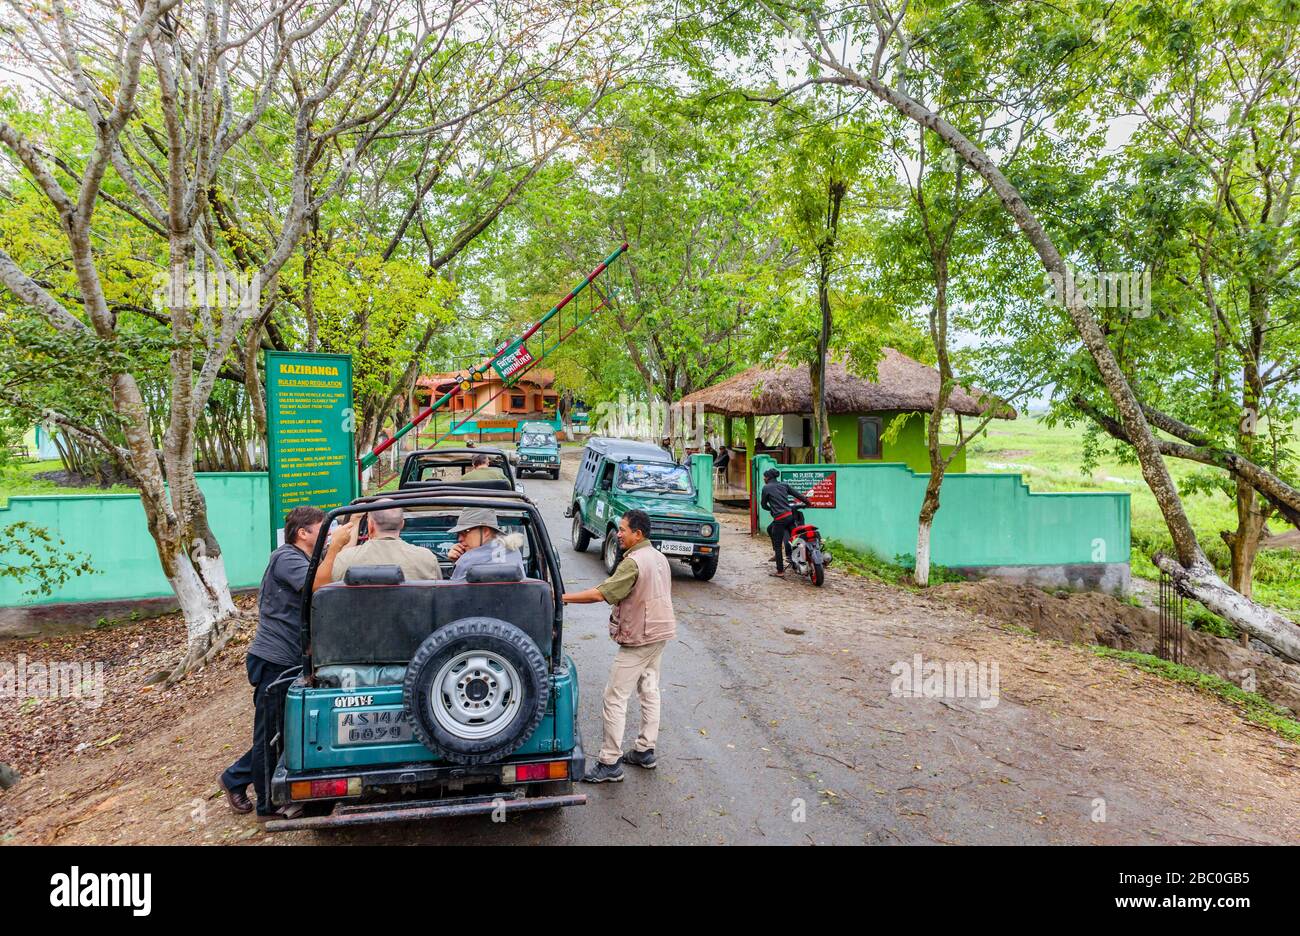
(421, 699)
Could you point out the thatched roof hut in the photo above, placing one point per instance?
(902, 384)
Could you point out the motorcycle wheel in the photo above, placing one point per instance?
(817, 571)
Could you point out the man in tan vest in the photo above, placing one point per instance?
(642, 623)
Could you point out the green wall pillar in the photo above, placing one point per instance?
(702, 475)
(761, 464)
(728, 432)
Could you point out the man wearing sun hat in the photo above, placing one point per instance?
(481, 541)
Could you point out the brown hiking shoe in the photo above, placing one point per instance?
(237, 799)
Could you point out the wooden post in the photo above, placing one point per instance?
(728, 433)
(749, 455)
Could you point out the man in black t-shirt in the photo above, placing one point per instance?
(779, 499)
(276, 649)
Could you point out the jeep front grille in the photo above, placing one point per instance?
(674, 528)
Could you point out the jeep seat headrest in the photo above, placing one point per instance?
(494, 572)
(374, 575)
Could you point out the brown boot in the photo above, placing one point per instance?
(237, 799)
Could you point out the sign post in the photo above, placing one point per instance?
(310, 428)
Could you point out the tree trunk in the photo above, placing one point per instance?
(835, 192)
(930, 503)
(1244, 542)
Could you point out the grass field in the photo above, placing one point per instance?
(20, 478)
(1049, 460)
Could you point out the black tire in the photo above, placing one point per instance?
(704, 569)
(555, 474)
(610, 554)
(476, 633)
(581, 538)
(817, 575)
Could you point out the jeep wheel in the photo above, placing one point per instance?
(581, 538)
(555, 474)
(704, 569)
(610, 554)
(476, 690)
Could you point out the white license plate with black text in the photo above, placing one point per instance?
(673, 548)
(374, 726)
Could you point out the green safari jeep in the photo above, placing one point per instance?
(618, 475)
(420, 699)
(538, 451)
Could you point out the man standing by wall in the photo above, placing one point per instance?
(641, 622)
(275, 649)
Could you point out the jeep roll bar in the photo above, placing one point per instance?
(462, 497)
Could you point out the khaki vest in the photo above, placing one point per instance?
(645, 616)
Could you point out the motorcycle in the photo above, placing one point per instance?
(808, 555)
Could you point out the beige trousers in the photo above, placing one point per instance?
(634, 667)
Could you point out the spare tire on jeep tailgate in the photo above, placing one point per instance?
(476, 689)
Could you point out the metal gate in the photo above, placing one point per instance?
(1170, 646)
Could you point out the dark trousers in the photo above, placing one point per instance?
(779, 530)
(268, 707)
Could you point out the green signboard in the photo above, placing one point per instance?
(513, 360)
(311, 454)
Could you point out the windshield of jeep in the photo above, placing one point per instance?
(642, 478)
(536, 440)
(449, 467)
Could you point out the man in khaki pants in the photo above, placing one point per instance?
(642, 623)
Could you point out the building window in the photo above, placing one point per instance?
(869, 430)
(517, 401)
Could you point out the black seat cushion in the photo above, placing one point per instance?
(374, 575)
(384, 624)
(495, 572)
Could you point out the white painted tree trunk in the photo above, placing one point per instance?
(1204, 584)
(213, 571)
(200, 608)
(921, 574)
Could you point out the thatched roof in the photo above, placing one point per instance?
(902, 384)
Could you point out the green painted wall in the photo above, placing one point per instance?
(111, 528)
(909, 447)
(702, 476)
(983, 520)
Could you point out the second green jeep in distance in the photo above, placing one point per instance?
(538, 451)
(618, 475)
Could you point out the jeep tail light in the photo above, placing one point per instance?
(527, 773)
(325, 789)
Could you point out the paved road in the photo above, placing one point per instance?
(725, 773)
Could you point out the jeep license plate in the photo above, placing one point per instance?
(377, 726)
(672, 548)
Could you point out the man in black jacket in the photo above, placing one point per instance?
(276, 649)
(779, 499)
